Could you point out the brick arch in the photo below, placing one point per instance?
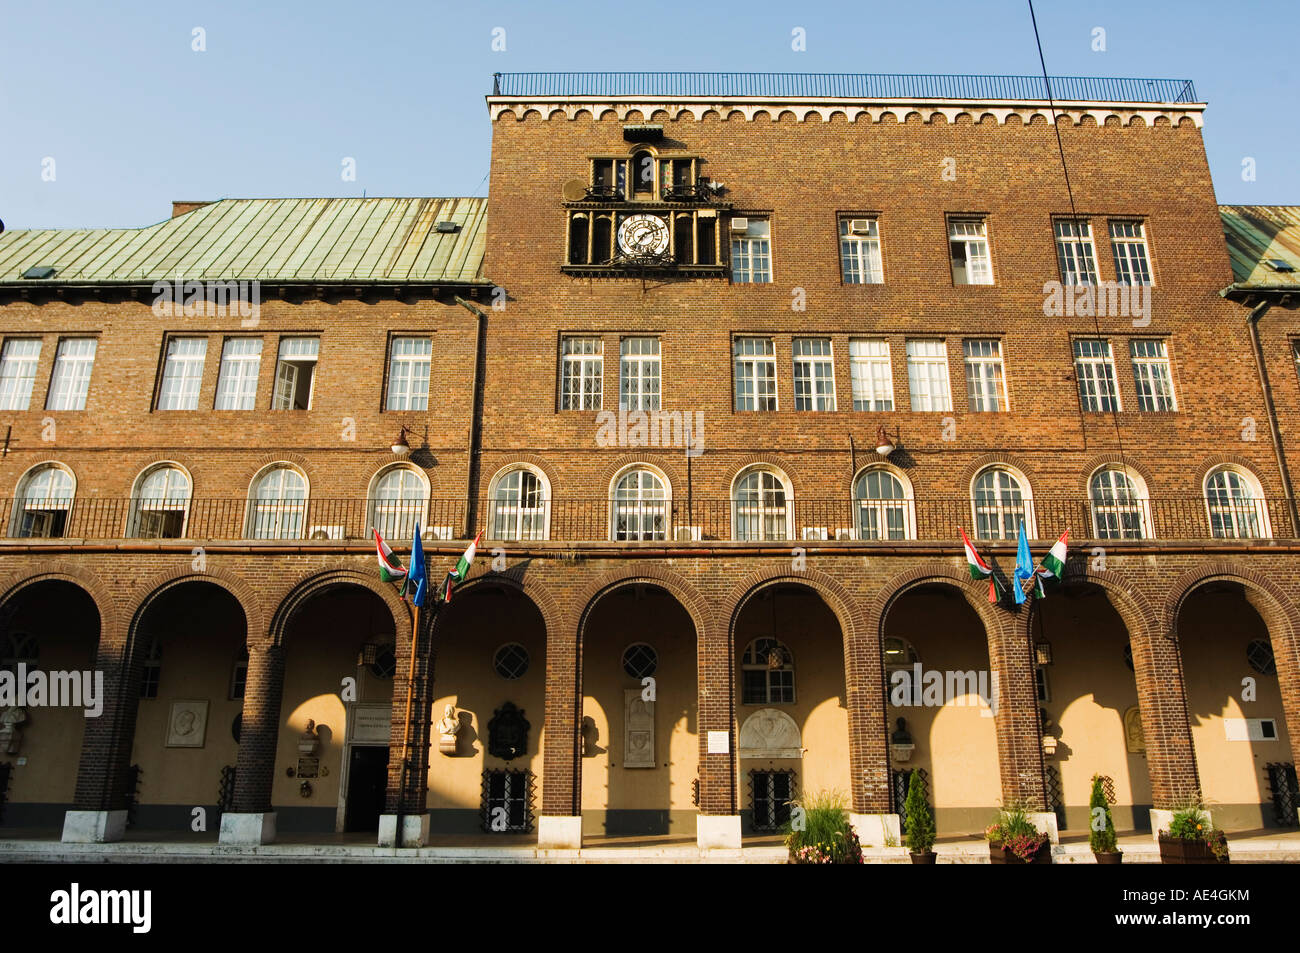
(1140, 617)
(932, 572)
(1277, 608)
(696, 606)
(77, 474)
(1113, 461)
(1229, 460)
(653, 460)
(517, 579)
(311, 583)
(507, 461)
(110, 611)
(847, 609)
(264, 460)
(771, 460)
(144, 595)
(996, 459)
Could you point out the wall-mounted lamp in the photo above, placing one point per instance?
(885, 445)
(400, 446)
(1043, 653)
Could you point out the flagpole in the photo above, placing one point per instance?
(406, 723)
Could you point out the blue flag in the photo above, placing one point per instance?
(1024, 566)
(416, 576)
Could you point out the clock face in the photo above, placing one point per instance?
(643, 235)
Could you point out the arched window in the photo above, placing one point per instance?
(761, 507)
(767, 673)
(519, 505)
(884, 506)
(1001, 500)
(579, 235)
(277, 504)
(160, 503)
(397, 502)
(640, 506)
(643, 175)
(1236, 505)
(1119, 505)
(44, 502)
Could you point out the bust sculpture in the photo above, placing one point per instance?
(448, 727)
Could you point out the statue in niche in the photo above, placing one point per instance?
(11, 729)
(1133, 737)
(447, 731)
(507, 733)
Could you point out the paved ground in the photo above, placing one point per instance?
(43, 846)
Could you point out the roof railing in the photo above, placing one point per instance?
(848, 86)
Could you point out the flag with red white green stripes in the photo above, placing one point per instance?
(979, 569)
(390, 567)
(457, 575)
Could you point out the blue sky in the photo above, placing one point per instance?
(134, 117)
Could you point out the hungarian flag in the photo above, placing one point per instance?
(1053, 564)
(458, 574)
(979, 569)
(390, 567)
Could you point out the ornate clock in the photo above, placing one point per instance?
(643, 235)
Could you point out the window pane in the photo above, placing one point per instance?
(241, 360)
(751, 253)
(1151, 376)
(927, 375)
(582, 368)
(860, 251)
(1129, 243)
(639, 374)
(1095, 373)
(985, 387)
(182, 374)
(18, 373)
(873, 381)
(755, 373)
(73, 363)
(1074, 252)
(408, 373)
(814, 376)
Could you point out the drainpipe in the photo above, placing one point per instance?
(476, 417)
(1252, 322)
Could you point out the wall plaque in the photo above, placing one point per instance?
(638, 730)
(371, 724)
(719, 742)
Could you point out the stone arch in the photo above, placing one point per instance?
(313, 582)
(938, 117)
(556, 113)
(110, 613)
(659, 115)
(583, 114)
(530, 114)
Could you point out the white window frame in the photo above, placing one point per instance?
(999, 508)
(871, 375)
(241, 364)
(291, 357)
(644, 505)
(410, 362)
(182, 377)
(1151, 374)
(881, 507)
(756, 369)
(761, 511)
(512, 509)
(640, 373)
(70, 383)
(169, 502)
(861, 257)
(1101, 368)
(751, 253)
(396, 516)
(582, 372)
(19, 360)
(1132, 251)
(1115, 507)
(284, 510)
(814, 368)
(1233, 510)
(985, 372)
(972, 233)
(49, 503)
(751, 661)
(1076, 254)
(922, 387)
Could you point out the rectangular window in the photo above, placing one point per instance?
(986, 388)
(507, 801)
(860, 251)
(773, 793)
(814, 374)
(241, 359)
(638, 374)
(1129, 242)
(18, 373)
(1095, 371)
(295, 374)
(755, 373)
(408, 373)
(73, 363)
(927, 375)
(1151, 375)
(751, 250)
(1075, 252)
(968, 244)
(873, 380)
(582, 370)
(182, 374)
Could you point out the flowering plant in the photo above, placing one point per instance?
(1191, 823)
(1014, 831)
(820, 833)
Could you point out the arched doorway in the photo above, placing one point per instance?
(51, 625)
(191, 641)
(1084, 678)
(331, 763)
(489, 664)
(639, 739)
(1234, 702)
(791, 709)
(938, 679)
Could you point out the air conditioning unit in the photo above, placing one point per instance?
(740, 224)
(687, 534)
(814, 532)
(325, 532)
(440, 532)
(844, 533)
(860, 226)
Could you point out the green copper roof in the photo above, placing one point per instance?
(1258, 235)
(291, 240)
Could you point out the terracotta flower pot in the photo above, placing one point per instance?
(1179, 850)
(1109, 857)
(926, 858)
(1004, 855)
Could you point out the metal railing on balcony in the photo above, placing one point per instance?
(847, 86)
(674, 522)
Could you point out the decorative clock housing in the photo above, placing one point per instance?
(643, 235)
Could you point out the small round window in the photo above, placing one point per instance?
(640, 660)
(511, 660)
(385, 663)
(1128, 657)
(1259, 653)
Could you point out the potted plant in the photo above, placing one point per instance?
(1191, 840)
(920, 822)
(1102, 836)
(819, 831)
(1013, 839)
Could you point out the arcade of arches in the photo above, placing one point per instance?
(644, 711)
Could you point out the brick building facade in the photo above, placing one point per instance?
(658, 373)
